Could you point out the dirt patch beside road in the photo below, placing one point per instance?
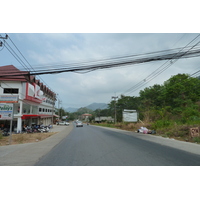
(22, 138)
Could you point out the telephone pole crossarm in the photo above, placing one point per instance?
(6, 37)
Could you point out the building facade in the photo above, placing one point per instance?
(36, 104)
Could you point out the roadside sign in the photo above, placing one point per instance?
(6, 111)
(9, 98)
(130, 115)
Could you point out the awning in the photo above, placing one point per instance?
(29, 116)
(36, 116)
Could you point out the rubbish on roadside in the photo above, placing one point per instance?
(143, 130)
(146, 130)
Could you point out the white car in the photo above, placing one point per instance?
(63, 123)
(79, 124)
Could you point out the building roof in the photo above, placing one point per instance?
(86, 114)
(11, 73)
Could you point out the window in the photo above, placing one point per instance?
(11, 91)
(40, 109)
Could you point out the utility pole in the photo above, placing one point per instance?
(114, 98)
(53, 108)
(6, 37)
(59, 110)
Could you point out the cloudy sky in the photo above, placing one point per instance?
(79, 90)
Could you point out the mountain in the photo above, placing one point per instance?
(92, 106)
(71, 110)
(95, 106)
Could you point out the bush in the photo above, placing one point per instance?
(196, 139)
(169, 134)
(161, 124)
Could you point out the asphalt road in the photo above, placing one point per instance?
(95, 146)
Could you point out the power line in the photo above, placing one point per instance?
(25, 58)
(119, 63)
(158, 71)
(10, 49)
(17, 57)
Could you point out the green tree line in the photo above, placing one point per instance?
(177, 99)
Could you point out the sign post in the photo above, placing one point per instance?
(6, 113)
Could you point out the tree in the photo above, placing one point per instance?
(152, 96)
(181, 91)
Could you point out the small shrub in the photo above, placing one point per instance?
(196, 139)
(169, 134)
(161, 124)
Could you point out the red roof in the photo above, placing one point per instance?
(86, 114)
(10, 72)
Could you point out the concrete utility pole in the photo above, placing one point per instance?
(114, 98)
(53, 107)
(59, 109)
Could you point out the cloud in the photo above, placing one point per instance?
(76, 90)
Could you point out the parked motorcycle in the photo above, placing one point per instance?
(5, 132)
(43, 129)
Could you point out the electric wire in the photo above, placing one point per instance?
(120, 63)
(25, 58)
(157, 71)
(16, 56)
(10, 49)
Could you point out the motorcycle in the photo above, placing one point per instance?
(5, 132)
(43, 129)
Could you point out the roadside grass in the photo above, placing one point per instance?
(22, 138)
(168, 129)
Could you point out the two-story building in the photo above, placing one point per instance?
(36, 101)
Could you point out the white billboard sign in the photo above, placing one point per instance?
(130, 116)
(6, 111)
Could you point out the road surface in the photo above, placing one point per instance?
(96, 146)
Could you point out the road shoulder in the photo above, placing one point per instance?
(181, 145)
(30, 153)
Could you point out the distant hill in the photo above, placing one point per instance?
(92, 106)
(95, 106)
(71, 110)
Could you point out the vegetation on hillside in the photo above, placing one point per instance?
(170, 109)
